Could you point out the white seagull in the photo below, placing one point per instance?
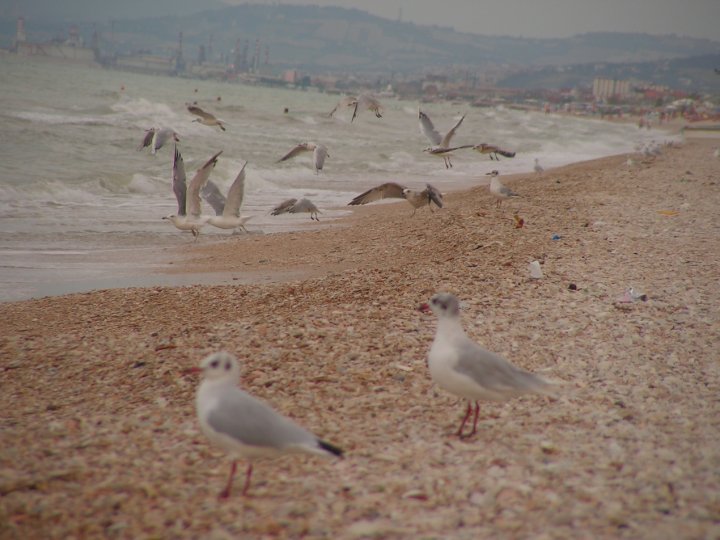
(538, 168)
(244, 425)
(464, 368)
(228, 217)
(156, 138)
(392, 190)
(440, 143)
(188, 217)
(294, 206)
(205, 117)
(319, 154)
(498, 189)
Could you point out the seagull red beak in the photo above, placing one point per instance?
(424, 308)
(192, 371)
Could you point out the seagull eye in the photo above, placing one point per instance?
(227, 366)
(214, 364)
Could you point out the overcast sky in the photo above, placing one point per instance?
(528, 18)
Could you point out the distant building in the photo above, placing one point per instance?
(604, 89)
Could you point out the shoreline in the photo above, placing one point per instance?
(100, 433)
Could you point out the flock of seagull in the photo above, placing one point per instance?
(189, 216)
(246, 426)
(249, 428)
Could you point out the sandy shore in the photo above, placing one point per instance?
(100, 439)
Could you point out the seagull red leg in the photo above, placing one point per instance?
(465, 419)
(475, 419)
(225, 493)
(248, 473)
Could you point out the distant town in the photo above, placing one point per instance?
(250, 63)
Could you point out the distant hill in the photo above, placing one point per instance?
(332, 39)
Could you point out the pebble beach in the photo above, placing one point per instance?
(99, 431)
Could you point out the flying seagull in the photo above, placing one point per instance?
(464, 368)
(392, 190)
(294, 206)
(319, 154)
(156, 138)
(493, 151)
(242, 424)
(498, 189)
(229, 217)
(188, 217)
(358, 104)
(440, 143)
(205, 117)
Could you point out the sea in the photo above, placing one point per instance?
(81, 206)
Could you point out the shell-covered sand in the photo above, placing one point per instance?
(99, 436)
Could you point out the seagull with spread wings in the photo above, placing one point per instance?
(227, 211)
(440, 143)
(393, 190)
(319, 153)
(205, 117)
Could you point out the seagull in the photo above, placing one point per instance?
(229, 216)
(392, 190)
(464, 368)
(538, 168)
(244, 425)
(293, 206)
(156, 138)
(319, 153)
(716, 153)
(188, 216)
(364, 101)
(359, 103)
(440, 143)
(205, 117)
(500, 190)
(493, 151)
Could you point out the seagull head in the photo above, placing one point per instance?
(443, 305)
(175, 137)
(494, 172)
(171, 217)
(218, 366)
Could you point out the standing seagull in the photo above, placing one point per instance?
(440, 144)
(188, 217)
(244, 425)
(205, 117)
(500, 190)
(156, 138)
(229, 217)
(538, 168)
(392, 190)
(293, 206)
(319, 154)
(493, 151)
(467, 370)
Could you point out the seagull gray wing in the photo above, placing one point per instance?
(251, 422)
(347, 101)
(147, 139)
(179, 182)
(434, 195)
(303, 205)
(236, 194)
(192, 203)
(504, 190)
(319, 155)
(390, 190)
(428, 128)
(294, 151)
(493, 373)
(161, 137)
(449, 134)
(213, 196)
(283, 207)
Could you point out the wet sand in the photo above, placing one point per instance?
(100, 437)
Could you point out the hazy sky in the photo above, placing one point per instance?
(545, 18)
(529, 18)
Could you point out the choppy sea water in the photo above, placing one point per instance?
(81, 208)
